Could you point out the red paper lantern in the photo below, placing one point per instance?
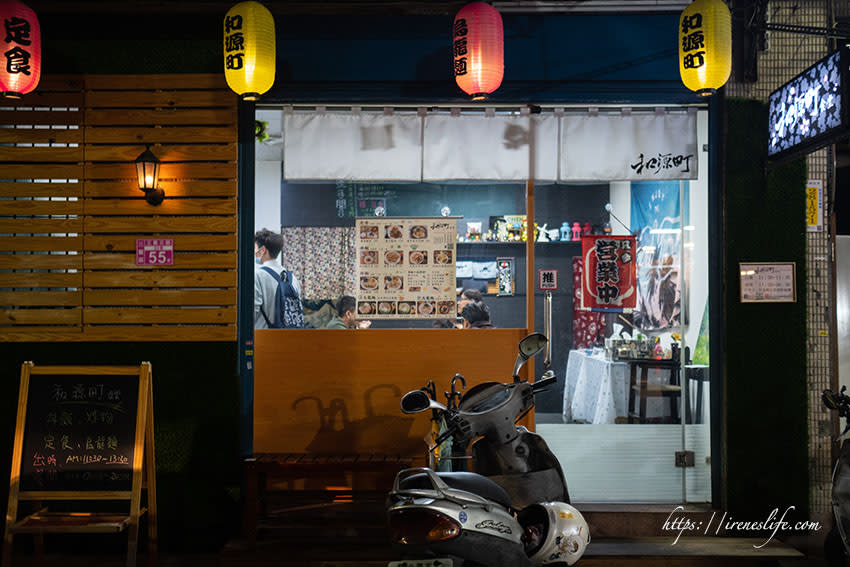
(20, 44)
(478, 49)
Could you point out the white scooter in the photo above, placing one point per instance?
(512, 511)
(837, 542)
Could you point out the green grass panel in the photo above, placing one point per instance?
(765, 344)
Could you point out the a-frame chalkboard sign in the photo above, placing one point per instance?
(83, 433)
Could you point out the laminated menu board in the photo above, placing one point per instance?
(406, 267)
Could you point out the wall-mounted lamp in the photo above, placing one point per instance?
(147, 169)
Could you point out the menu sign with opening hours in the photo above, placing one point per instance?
(154, 251)
(79, 433)
(766, 282)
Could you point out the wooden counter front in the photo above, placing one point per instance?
(338, 391)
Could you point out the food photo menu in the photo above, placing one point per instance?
(406, 267)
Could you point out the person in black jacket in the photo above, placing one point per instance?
(476, 315)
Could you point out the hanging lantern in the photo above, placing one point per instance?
(705, 46)
(21, 48)
(478, 49)
(249, 49)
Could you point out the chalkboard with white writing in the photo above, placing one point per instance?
(79, 433)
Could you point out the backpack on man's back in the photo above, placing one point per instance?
(289, 314)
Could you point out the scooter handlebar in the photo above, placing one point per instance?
(547, 379)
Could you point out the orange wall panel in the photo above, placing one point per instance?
(339, 391)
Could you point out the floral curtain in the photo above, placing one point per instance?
(322, 259)
(588, 326)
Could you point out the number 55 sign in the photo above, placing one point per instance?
(154, 251)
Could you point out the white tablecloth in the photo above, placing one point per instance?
(597, 390)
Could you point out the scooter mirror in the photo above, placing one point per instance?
(528, 347)
(416, 401)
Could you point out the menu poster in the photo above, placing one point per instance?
(406, 267)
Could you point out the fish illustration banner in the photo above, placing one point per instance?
(406, 267)
(608, 278)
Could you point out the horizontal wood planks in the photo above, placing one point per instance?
(341, 390)
(71, 211)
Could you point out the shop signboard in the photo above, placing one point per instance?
(608, 278)
(810, 110)
(406, 267)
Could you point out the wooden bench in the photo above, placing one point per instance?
(261, 468)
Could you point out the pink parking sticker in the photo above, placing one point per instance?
(154, 251)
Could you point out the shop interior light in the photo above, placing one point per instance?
(147, 170)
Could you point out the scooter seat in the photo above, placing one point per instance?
(468, 481)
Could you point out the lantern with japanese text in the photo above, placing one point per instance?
(705, 46)
(249, 49)
(21, 69)
(478, 49)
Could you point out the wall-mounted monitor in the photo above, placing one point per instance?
(810, 110)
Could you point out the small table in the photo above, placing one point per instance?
(595, 388)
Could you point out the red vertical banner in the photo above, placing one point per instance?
(609, 276)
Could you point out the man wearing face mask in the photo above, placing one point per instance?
(267, 246)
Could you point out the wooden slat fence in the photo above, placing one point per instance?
(71, 210)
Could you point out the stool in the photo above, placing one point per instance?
(695, 373)
(644, 389)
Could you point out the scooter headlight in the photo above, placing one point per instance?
(419, 526)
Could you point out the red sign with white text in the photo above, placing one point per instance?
(154, 251)
(609, 277)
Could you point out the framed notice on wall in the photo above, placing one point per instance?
(406, 267)
(768, 282)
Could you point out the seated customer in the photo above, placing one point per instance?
(346, 317)
(476, 316)
(467, 296)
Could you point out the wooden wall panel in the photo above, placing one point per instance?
(331, 391)
(41, 163)
(73, 210)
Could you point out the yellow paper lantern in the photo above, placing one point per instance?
(705, 46)
(249, 49)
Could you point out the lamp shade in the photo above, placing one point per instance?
(249, 49)
(478, 49)
(147, 169)
(705, 46)
(21, 48)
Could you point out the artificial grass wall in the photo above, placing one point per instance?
(196, 419)
(765, 344)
